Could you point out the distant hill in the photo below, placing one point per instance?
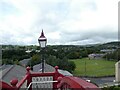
(108, 44)
(117, 43)
(112, 44)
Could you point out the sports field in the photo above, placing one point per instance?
(86, 67)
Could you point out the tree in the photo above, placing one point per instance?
(66, 65)
(36, 59)
(73, 55)
(113, 55)
(7, 61)
(52, 60)
(16, 62)
(71, 66)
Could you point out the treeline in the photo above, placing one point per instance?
(52, 57)
(113, 56)
(63, 63)
(56, 55)
(11, 56)
(111, 88)
(60, 51)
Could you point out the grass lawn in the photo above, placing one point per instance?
(86, 67)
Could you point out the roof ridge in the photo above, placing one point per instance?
(8, 71)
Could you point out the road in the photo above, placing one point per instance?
(102, 81)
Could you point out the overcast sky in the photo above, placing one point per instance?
(64, 22)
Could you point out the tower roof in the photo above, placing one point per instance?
(42, 34)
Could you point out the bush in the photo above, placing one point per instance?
(111, 88)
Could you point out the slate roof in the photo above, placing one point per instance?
(8, 72)
(49, 68)
(24, 62)
(12, 71)
(64, 72)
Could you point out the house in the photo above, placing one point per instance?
(107, 50)
(37, 51)
(95, 56)
(28, 51)
(8, 72)
(49, 68)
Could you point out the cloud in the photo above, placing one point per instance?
(63, 21)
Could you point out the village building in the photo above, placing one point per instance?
(107, 50)
(95, 56)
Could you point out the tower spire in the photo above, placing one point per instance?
(42, 34)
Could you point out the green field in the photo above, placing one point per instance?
(86, 67)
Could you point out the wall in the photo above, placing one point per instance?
(117, 71)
